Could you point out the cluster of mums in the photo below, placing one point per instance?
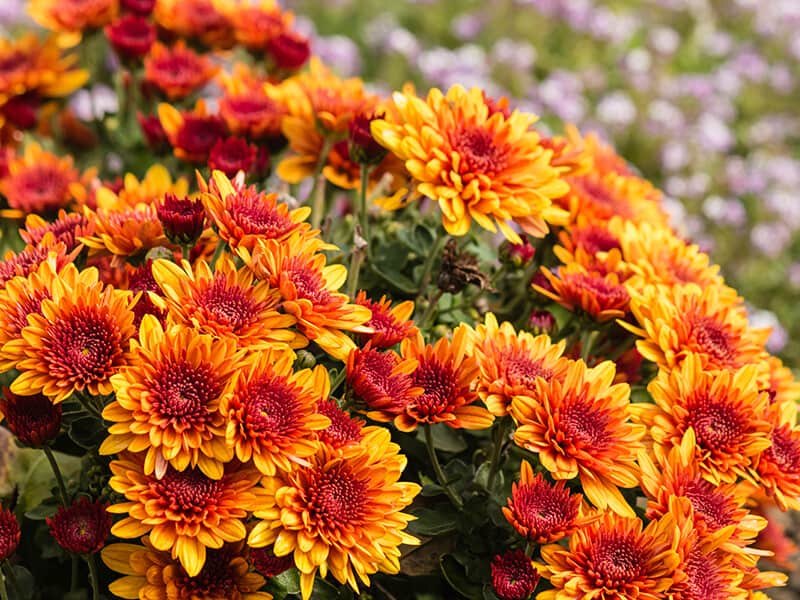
(205, 332)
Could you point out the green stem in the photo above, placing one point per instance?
(9, 573)
(494, 465)
(57, 472)
(529, 549)
(437, 468)
(356, 260)
(587, 343)
(185, 250)
(94, 576)
(87, 404)
(338, 380)
(218, 252)
(3, 590)
(433, 302)
(436, 249)
(73, 586)
(317, 194)
(362, 209)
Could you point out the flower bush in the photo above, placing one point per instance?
(268, 333)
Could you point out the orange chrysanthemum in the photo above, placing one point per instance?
(381, 382)
(28, 260)
(243, 215)
(510, 362)
(224, 302)
(446, 374)
(309, 290)
(67, 228)
(778, 467)
(477, 166)
(579, 426)
(543, 512)
(149, 573)
(719, 417)
(251, 112)
(614, 559)
(778, 381)
(177, 71)
(600, 295)
(342, 513)
(572, 155)
(167, 400)
(271, 412)
(71, 17)
(592, 245)
(390, 325)
(195, 19)
(256, 23)
(156, 183)
(344, 429)
(41, 182)
(681, 321)
(77, 340)
(184, 512)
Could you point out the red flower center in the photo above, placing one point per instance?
(255, 215)
(199, 134)
(65, 229)
(336, 498)
(30, 305)
(713, 340)
(270, 407)
(39, 188)
(544, 509)
(373, 383)
(227, 305)
(594, 239)
(439, 384)
(9, 534)
(188, 491)
(616, 559)
(785, 450)
(22, 263)
(599, 194)
(181, 391)
(342, 430)
(479, 151)
(521, 370)
(717, 425)
(607, 294)
(584, 426)
(307, 282)
(217, 579)
(715, 508)
(704, 582)
(269, 565)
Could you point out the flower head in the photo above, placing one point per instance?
(343, 430)
(195, 19)
(256, 23)
(265, 562)
(82, 527)
(232, 155)
(34, 420)
(600, 295)
(183, 219)
(381, 382)
(66, 228)
(390, 325)
(251, 113)
(131, 36)
(364, 149)
(778, 467)
(9, 533)
(513, 576)
(192, 134)
(477, 166)
(177, 71)
(73, 16)
(289, 50)
(142, 280)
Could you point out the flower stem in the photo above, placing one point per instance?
(8, 573)
(435, 250)
(432, 304)
(494, 465)
(73, 585)
(218, 252)
(57, 472)
(3, 590)
(317, 194)
(437, 468)
(94, 576)
(362, 208)
(587, 343)
(356, 260)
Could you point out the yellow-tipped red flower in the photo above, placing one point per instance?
(778, 467)
(177, 71)
(600, 295)
(390, 325)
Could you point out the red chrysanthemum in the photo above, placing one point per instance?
(269, 565)
(9, 534)
(82, 527)
(289, 50)
(513, 576)
(35, 420)
(343, 429)
(191, 134)
(231, 155)
(131, 36)
(391, 325)
(153, 131)
(177, 71)
(138, 7)
(252, 113)
(183, 219)
(364, 149)
(381, 382)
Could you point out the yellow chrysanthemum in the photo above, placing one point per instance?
(167, 399)
(224, 302)
(601, 295)
(71, 17)
(476, 165)
(511, 361)
(342, 513)
(156, 183)
(579, 426)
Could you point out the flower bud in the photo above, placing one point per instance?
(183, 219)
(9, 534)
(35, 420)
(513, 576)
(289, 50)
(82, 527)
(131, 36)
(364, 149)
(542, 321)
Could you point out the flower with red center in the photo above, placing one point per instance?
(73, 16)
(391, 325)
(572, 154)
(265, 562)
(778, 381)
(168, 397)
(381, 382)
(35, 420)
(446, 374)
(592, 245)
(67, 228)
(82, 527)
(9, 534)
(579, 425)
(343, 430)
(510, 362)
(543, 512)
(184, 512)
(41, 182)
(600, 295)
(289, 50)
(231, 155)
(364, 150)
(255, 23)
(195, 19)
(477, 166)
(142, 280)
(710, 323)
(26, 262)
(613, 558)
(153, 132)
(177, 71)
(242, 215)
(193, 134)
(271, 412)
(308, 288)
(143, 8)
(341, 513)
(183, 219)
(76, 341)
(225, 302)
(718, 417)
(131, 36)
(542, 321)
(251, 113)
(778, 467)
(514, 576)
(150, 573)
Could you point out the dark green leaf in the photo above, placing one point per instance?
(25, 584)
(433, 522)
(457, 578)
(445, 439)
(87, 432)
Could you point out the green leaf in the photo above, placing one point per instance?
(284, 584)
(395, 279)
(45, 509)
(432, 522)
(26, 586)
(88, 432)
(456, 576)
(445, 439)
(36, 480)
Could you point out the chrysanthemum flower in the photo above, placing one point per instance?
(156, 183)
(231, 155)
(184, 512)
(778, 381)
(71, 17)
(28, 260)
(343, 430)
(677, 322)
(132, 36)
(265, 562)
(271, 412)
(342, 513)
(391, 325)
(600, 295)
(67, 228)
(243, 215)
(381, 382)
(82, 527)
(613, 558)
(719, 416)
(488, 168)
(251, 112)
(195, 19)
(191, 134)
(41, 182)
(183, 219)
(224, 302)
(309, 290)
(76, 341)
(34, 420)
(513, 576)
(9, 533)
(543, 512)
(572, 154)
(167, 399)
(579, 426)
(142, 280)
(150, 573)
(510, 362)
(257, 22)
(177, 71)
(446, 374)
(778, 467)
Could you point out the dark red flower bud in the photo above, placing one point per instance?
(154, 133)
(82, 527)
(9, 534)
(131, 36)
(21, 111)
(289, 50)
(183, 219)
(139, 7)
(542, 321)
(517, 254)
(513, 576)
(269, 565)
(198, 135)
(364, 149)
(35, 420)
(232, 155)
